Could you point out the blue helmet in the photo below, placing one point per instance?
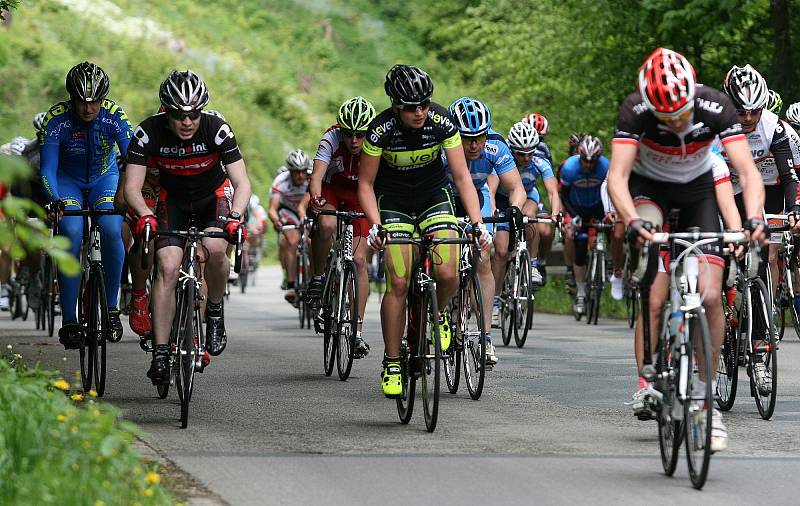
(472, 117)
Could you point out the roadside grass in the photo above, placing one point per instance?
(553, 298)
(60, 446)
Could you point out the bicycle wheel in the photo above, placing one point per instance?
(453, 356)
(328, 341)
(346, 320)
(187, 352)
(300, 289)
(596, 291)
(51, 290)
(762, 334)
(88, 351)
(523, 300)
(697, 405)
(507, 306)
(670, 430)
(429, 354)
(405, 403)
(101, 328)
(471, 311)
(728, 364)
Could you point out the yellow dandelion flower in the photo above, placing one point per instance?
(61, 384)
(99, 503)
(61, 418)
(152, 478)
(148, 492)
(76, 397)
(92, 393)
(17, 356)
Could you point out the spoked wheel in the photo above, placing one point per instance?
(50, 289)
(88, 351)
(728, 364)
(429, 352)
(670, 429)
(300, 287)
(187, 351)
(764, 384)
(405, 403)
(103, 329)
(631, 305)
(347, 321)
(507, 305)
(474, 336)
(697, 406)
(329, 341)
(595, 289)
(523, 299)
(452, 357)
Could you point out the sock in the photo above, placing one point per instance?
(534, 262)
(214, 308)
(496, 302)
(642, 383)
(139, 292)
(488, 337)
(581, 288)
(290, 285)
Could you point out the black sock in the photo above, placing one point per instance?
(212, 308)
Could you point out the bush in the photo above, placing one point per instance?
(66, 449)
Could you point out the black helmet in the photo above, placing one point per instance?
(87, 82)
(408, 85)
(183, 91)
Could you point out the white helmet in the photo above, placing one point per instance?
(297, 160)
(17, 145)
(254, 201)
(793, 115)
(746, 87)
(522, 137)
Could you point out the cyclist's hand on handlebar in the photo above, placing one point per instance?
(794, 219)
(141, 224)
(232, 227)
(515, 214)
(376, 235)
(484, 237)
(639, 231)
(276, 225)
(754, 229)
(317, 202)
(55, 210)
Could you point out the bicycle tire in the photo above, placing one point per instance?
(346, 320)
(103, 329)
(187, 352)
(670, 435)
(300, 288)
(765, 402)
(51, 289)
(597, 286)
(728, 365)
(453, 356)
(507, 307)
(86, 352)
(430, 363)
(523, 299)
(405, 403)
(474, 356)
(243, 281)
(697, 407)
(328, 341)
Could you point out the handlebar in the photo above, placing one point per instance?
(726, 237)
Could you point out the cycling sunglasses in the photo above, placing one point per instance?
(672, 117)
(353, 133)
(524, 154)
(752, 112)
(180, 115)
(413, 107)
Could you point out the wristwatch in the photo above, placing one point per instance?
(235, 216)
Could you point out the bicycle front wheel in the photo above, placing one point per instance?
(523, 300)
(698, 398)
(51, 292)
(346, 320)
(329, 341)
(405, 403)
(471, 315)
(102, 328)
(88, 351)
(187, 351)
(452, 357)
(728, 364)
(670, 429)
(429, 356)
(763, 378)
(507, 305)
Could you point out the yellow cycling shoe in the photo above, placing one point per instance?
(444, 330)
(392, 380)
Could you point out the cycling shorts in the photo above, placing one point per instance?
(176, 214)
(288, 215)
(485, 203)
(696, 201)
(430, 212)
(773, 201)
(502, 203)
(346, 196)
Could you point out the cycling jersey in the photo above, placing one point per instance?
(342, 164)
(82, 151)
(290, 194)
(580, 189)
(530, 174)
(794, 144)
(542, 151)
(411, 158)
(677, 157)
(495, 158)
(188, 169)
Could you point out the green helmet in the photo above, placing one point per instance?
(774, 102)
(356, 114)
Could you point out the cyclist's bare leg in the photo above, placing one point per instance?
(773, 267)
(323, 240)
(5, 267)
(446, 271)
(217, 266)
(393, 305)
(500, 259)
(710, 284)
(532, 233)
(292, 242)
(617, 247)
(658, 295)
(360, 250)
(138, 275)
(169, 263)
(487, 288)
(282, 253)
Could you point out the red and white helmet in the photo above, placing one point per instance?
(537, 121)
(590, 148)
(667, 82)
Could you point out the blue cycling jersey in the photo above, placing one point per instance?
(583, 188)
(537, 168)
(83, 151)
(543, 151)
(496, 158)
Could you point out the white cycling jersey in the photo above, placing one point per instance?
(289, 194)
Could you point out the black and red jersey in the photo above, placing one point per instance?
(677, 157)
(188, 169)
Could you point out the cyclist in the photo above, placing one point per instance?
(288, 190)
(188, 147)
(78, 160)
(661, 156)
(573, 141)
(774, 102)
(334, 185)
(403, 186)
(540, 124)
(256, 219)
(487, 156)
(793, 115)
(581, 178)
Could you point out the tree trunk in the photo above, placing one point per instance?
(782, 67)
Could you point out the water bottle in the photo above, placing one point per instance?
(676, 327)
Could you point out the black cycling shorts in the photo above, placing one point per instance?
(177, 214)
(426, 213)
(773, 201)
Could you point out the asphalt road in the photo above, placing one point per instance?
(267, 427)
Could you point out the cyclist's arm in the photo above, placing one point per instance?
(119, 194)
(462, 181)
(237, 173)
(623, 154)
(49, 167)
(302, 207)
(551, 186)
(512, 183)
(493, 181)
(274, 202)
(315, 185)
(749, 177)
(782, 152)
(134, 180)
(367, 172)
(727, 205)
(564, 195)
